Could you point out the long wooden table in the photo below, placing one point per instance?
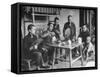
(70, 47)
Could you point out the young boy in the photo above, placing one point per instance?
(88, 49)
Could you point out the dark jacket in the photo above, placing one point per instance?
(84, 35)
(47, 38)
(72, 32)
(27, 43)
(56, 29)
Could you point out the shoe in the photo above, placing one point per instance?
(45, 66)
(37, 68)
(56, 61)
(50, 62)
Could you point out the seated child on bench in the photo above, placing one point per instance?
(88, 49)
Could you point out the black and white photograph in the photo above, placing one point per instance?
(53, 38)
(57, 38)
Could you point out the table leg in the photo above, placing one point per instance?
(54, 54)
(70, 58)
(81, 55)
(66, 56)
(58, 53)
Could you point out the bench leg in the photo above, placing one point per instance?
(29, 64)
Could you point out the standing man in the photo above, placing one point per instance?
(56, 28)
(30, 46)
(69, 30)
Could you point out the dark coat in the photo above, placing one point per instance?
(84, 35)
(27, 43)
(46, 39)
(56, 29)
(72, 32)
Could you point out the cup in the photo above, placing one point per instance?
(69, 42)
(53, 39)
(80, 40)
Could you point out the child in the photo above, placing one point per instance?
(88, 49)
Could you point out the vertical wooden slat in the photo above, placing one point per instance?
(33, 15)
(84, 16)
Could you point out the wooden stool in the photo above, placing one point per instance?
(28, 62)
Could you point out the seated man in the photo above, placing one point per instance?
(31, 50)
(48, 38)
(89, 48)
(84, 33)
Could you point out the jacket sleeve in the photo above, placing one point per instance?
(74, 30)
(58, 30)
(64, 29)
(25, 44)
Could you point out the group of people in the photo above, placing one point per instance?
(36, 48)
(88, 47)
